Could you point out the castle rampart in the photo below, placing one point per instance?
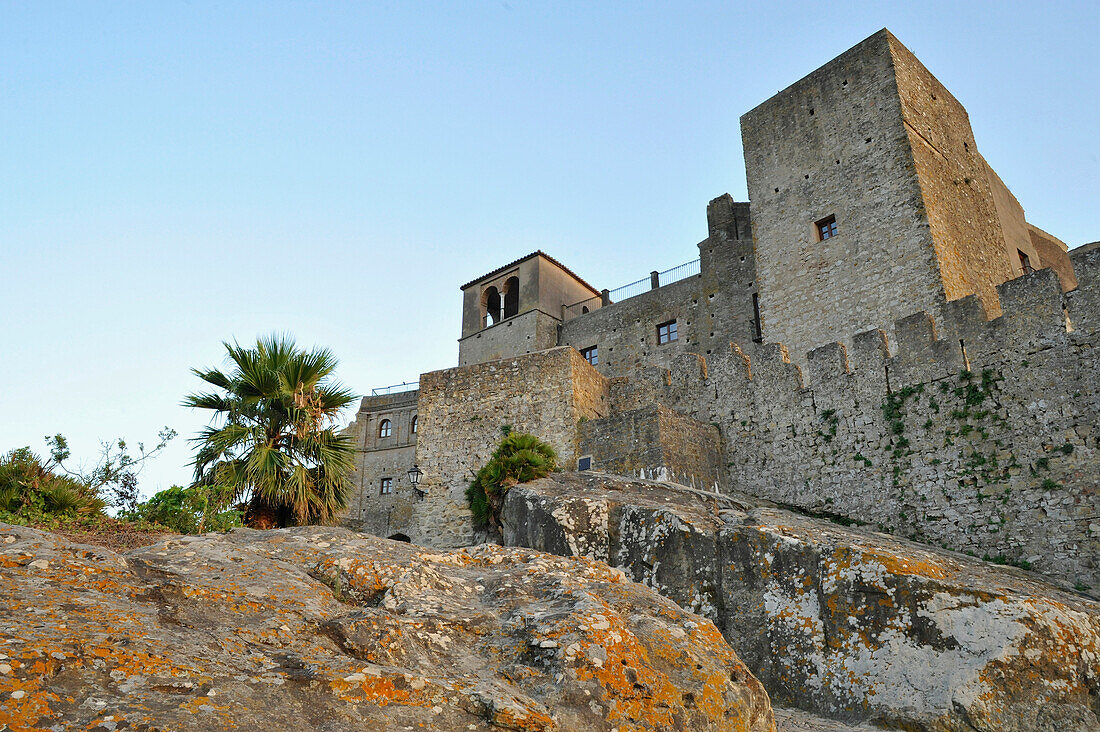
(983, 439)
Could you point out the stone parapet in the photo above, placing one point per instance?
(976, 435)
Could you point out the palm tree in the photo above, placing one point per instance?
(519, 458)
(272, 438)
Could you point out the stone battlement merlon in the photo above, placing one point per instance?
(1034, 318)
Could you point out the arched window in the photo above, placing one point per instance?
(385, 429)
(491, 303)
(413, 425)
(511, 297)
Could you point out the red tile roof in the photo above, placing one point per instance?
(536, 253)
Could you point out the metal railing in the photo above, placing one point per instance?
(581, 308)
(628, 291)
(396, 388)
(685, 270)
(655, 280)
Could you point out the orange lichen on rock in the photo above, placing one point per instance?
(303, 627)
(839, 619)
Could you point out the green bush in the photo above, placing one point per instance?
(32, 493)
(193, 510)
(519, 458)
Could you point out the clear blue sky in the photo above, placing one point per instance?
(176, 174)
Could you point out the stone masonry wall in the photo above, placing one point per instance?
(835, 144)
(710, 309)
(376, 513)
(985, 439)
(462, 411)
(527, 332)
(1014, 225)
(655, 443)
(1053, 253)
(955, 187)
(383, 457)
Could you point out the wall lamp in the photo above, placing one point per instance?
(415, 474)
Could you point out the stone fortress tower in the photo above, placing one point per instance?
(870, 200)
(880, 258)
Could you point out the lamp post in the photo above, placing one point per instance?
(415, 474)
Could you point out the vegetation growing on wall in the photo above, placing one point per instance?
(519, 458)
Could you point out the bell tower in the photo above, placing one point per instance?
(517, 308)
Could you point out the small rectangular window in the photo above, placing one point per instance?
(585, 463)
(591, 355)
(666, 332)
(1025, 262)
(387, 486)
(826, 228)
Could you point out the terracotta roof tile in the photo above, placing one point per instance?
(536, 253)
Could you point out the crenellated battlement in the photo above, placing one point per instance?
(979, 435)
(1036, 316)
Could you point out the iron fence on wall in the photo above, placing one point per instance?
(396, 388)
(655, 280)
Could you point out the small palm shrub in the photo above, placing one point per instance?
(519, 458)
(31, 493)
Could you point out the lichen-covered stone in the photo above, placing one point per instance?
(320, 628)
(841, 620)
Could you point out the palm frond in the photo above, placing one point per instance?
(213, 377)
(216, 402)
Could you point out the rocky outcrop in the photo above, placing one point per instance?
(842, 620)
(318, 628)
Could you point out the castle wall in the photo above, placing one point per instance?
(710, 309)
(461, 414)
(1010, 215)
(380, 514)
(1054, 253)
(377, 457)
(656, 443)
(835, 144)
(528, 332)
(955, 185)
(626, 332)
(990, 445)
